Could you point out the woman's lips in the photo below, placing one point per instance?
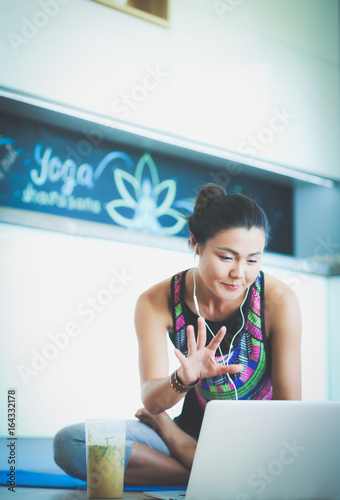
(231, 287)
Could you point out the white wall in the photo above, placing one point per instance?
(333, 345)
(60, 285)
(47, 282)
(226, 76)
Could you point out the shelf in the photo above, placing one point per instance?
(64, 116)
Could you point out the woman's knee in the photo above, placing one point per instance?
(68, 442)
(60, 445)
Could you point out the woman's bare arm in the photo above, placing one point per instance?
(283, 318)
(153, 320)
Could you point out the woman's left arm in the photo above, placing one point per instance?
(284, 319)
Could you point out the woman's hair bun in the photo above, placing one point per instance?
(208, 193)
(217, 211)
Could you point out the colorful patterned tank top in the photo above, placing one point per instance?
(250, 349)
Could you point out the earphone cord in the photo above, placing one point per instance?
(212, 333)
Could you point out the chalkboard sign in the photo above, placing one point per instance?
(54, 171)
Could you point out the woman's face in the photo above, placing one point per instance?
(231, 260)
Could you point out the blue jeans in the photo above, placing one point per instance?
(70, 453)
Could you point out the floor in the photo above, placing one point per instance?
(56, 494)
(36, 455)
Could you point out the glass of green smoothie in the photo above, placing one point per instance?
(105, 457)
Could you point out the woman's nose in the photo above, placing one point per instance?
(237, 271)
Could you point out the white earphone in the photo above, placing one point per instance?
(212, 333)
(194, 293)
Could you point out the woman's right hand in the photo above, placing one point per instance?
(200, 362)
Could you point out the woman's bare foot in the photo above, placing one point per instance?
(181, 445)
(156, 422)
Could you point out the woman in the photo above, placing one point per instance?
(237, 335)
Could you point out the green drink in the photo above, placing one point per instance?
(105, 471)
(105, 458)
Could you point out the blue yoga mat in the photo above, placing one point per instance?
(42, 479)
(35, 467)
(61, 480)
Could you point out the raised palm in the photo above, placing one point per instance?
(200, 362)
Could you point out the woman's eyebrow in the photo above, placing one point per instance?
(226, 249)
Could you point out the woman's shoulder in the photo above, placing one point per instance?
(273, 287)
(154, 305)
(157, 293)
(282, 310)
(280, 302)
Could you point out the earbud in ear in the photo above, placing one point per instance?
(195, 253)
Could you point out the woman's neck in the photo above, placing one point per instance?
(211, 307)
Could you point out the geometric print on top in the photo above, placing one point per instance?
(254, 382)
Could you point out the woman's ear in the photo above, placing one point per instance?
(193, 243)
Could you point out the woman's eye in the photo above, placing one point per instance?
(252, 261)
(226, 258)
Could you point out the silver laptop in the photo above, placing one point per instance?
(265, 450)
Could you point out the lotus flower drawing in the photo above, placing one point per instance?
(148, 198)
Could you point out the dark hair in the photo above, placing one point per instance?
(216, 211)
